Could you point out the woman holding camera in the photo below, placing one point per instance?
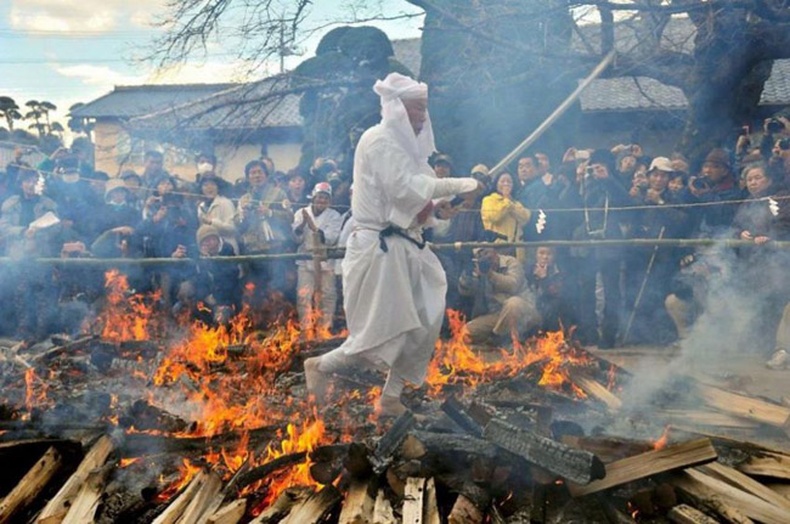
(503, 215)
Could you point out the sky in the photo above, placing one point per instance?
(69, 51)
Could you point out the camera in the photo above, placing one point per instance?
(774, 126)
(701, 183)
(588, 172)
(484, 265)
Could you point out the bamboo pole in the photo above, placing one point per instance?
(554, 115)
(338, 252)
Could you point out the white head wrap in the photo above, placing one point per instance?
(393, 90)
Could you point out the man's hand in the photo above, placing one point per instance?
(180, 252)
(444, 210)
(653, 195)
(760, 240)
(569, 155)
(541, 271)
(307, 220)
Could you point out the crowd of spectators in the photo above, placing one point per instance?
(604, 296)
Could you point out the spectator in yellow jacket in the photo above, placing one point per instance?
(503, 215)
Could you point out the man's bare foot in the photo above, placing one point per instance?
(316, 380)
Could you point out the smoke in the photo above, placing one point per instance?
(736, 317)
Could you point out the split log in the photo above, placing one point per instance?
(431, 513)
(598, 391)
(137, 444)
(608, 449)
(84, 505)
(358, 504)
(705, 497)
(202, 499)
(746, 407)
(640, 466)
(230, 513)
(413, 503)
(465, 512)
(75, 345)
(573, 464)
(261, 472)
(59, 505)
(458, 414)
(685, 514)
(391, 441)
(419, 444)
(142, 415)
(382, 510)
(31, 485)
(693, 418)
(744, 483)
(283, 505)
(173, 512)
(315, 508)
(750, 505)
(767, 464)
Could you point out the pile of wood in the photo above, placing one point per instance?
(508, 451)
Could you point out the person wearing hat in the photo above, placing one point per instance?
(117, 211)
(443, 165)
(598, 193)
(35, 295)
(393, 287)
(316, 226)
(651, 271)
(716, 184)
(213, 285)
(215, 209)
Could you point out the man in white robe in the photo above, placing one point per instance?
(394, 287)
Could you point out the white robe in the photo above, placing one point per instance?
(394, 300)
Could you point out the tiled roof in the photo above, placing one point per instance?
(132, 101)
(253, 105)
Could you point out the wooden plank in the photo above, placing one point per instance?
(84, 505)
(59, 505)
(465, 512)
(598, 391)
(573, 464)
(685, 514)
(315, 508)
(650, 463)
(780, 488)
(173, 512)
(382, 510)
(413, 500)
(608, 449)
(744, 483)
(704, 418)
(202, 499)
(453, 408)
(431, 510)
(31, 485)
(358, 504)
(705, 497)
(767, 464)
(750, 505)
(745, 407)
(281, 507)
(229, 513)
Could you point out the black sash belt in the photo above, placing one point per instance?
(396, 231)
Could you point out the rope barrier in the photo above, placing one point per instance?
(338, 252)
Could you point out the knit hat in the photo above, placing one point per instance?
(719, 156)
(206, 231)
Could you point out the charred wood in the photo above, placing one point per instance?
(317, 507)
(458, 414)
(573, 464)
(391, 441)
(283, 505)
(31, 485)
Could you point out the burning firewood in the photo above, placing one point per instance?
(172, 514)
(31, 485)
(315, 508)
(572, 464)
(358, 504)
(685, 514)
(58, 506)
(230, 513)
(650, 463)
(203, 499)
(283, 505)
(745, 483)
(83, 507)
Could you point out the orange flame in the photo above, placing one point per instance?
(35, 390)
(454, 361)
(187, 472)
(662, 441)
(126, 317)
